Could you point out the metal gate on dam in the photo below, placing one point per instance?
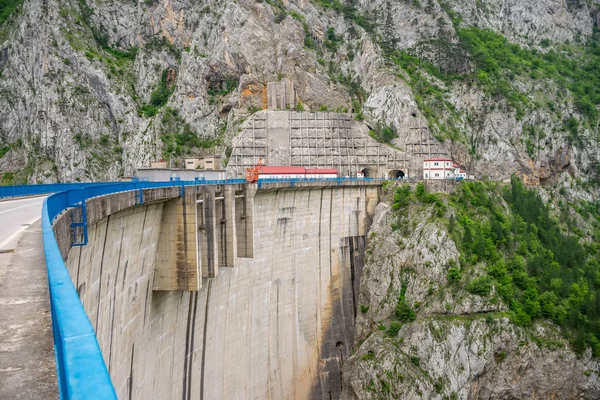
(224, 291)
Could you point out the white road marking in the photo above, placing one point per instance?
(16, 208)
(19, 231)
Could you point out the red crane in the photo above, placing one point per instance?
(253, 173)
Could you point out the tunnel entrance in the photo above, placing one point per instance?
(367, 172)
(396, 174)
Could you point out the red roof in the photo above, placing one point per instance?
(321, 171)
(275, 170)
(462, 171)
(455, 165)
(438, 159)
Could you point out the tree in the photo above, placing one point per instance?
(388, 42)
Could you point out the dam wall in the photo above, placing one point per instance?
(269, 313)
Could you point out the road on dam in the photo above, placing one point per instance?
(15, 217)
(27, 364)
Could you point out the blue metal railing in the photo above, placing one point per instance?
(80, 367)
(31, 190)
(81, 370)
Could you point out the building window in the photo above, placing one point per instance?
(435, 164)
(426, 175)
(437, 175)
(209, 162)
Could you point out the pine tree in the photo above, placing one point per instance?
(388, 41)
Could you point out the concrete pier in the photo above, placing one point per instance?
(208, 233)
(176, 265)
(228, 221)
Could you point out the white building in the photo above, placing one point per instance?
(439, 168)
(179, 174)
(206, 163)
(459, 173)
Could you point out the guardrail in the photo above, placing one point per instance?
(80, 367)
(31, 190)
(81, 370)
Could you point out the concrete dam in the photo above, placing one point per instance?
(223, 291)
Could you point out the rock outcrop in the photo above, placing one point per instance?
(457, 345)
(93, 90)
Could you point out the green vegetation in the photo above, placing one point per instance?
(401, 198)
(430, 198)
(350, 12)
(10, 146)
(498, 62)
(179, 138)
(221, 88)
(394, 328)
(7, 7)
(539, 267)
(383, 133)
(368, 356)
(454, 274)
(8, 178)
(121, 56)
(4, 150)
(403, 311)
(162, 44)
(332, 41)
(160, 96)
(480, 286)
(180, 143)
(500, 356)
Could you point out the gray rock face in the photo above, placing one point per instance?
(461, 346)
(71, 107)
(466, 359)
(530, 22)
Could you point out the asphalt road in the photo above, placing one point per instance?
(15, 217)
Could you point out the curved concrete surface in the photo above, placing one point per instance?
(275, 326)
(27, 363)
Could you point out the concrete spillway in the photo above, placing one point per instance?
(277, 324)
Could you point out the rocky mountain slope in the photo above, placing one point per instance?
(92, 90)
(441, 321)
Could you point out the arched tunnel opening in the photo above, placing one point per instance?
(396, 174)
(367, 172)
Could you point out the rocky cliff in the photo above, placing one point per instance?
(94, 89)
(429, 328)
